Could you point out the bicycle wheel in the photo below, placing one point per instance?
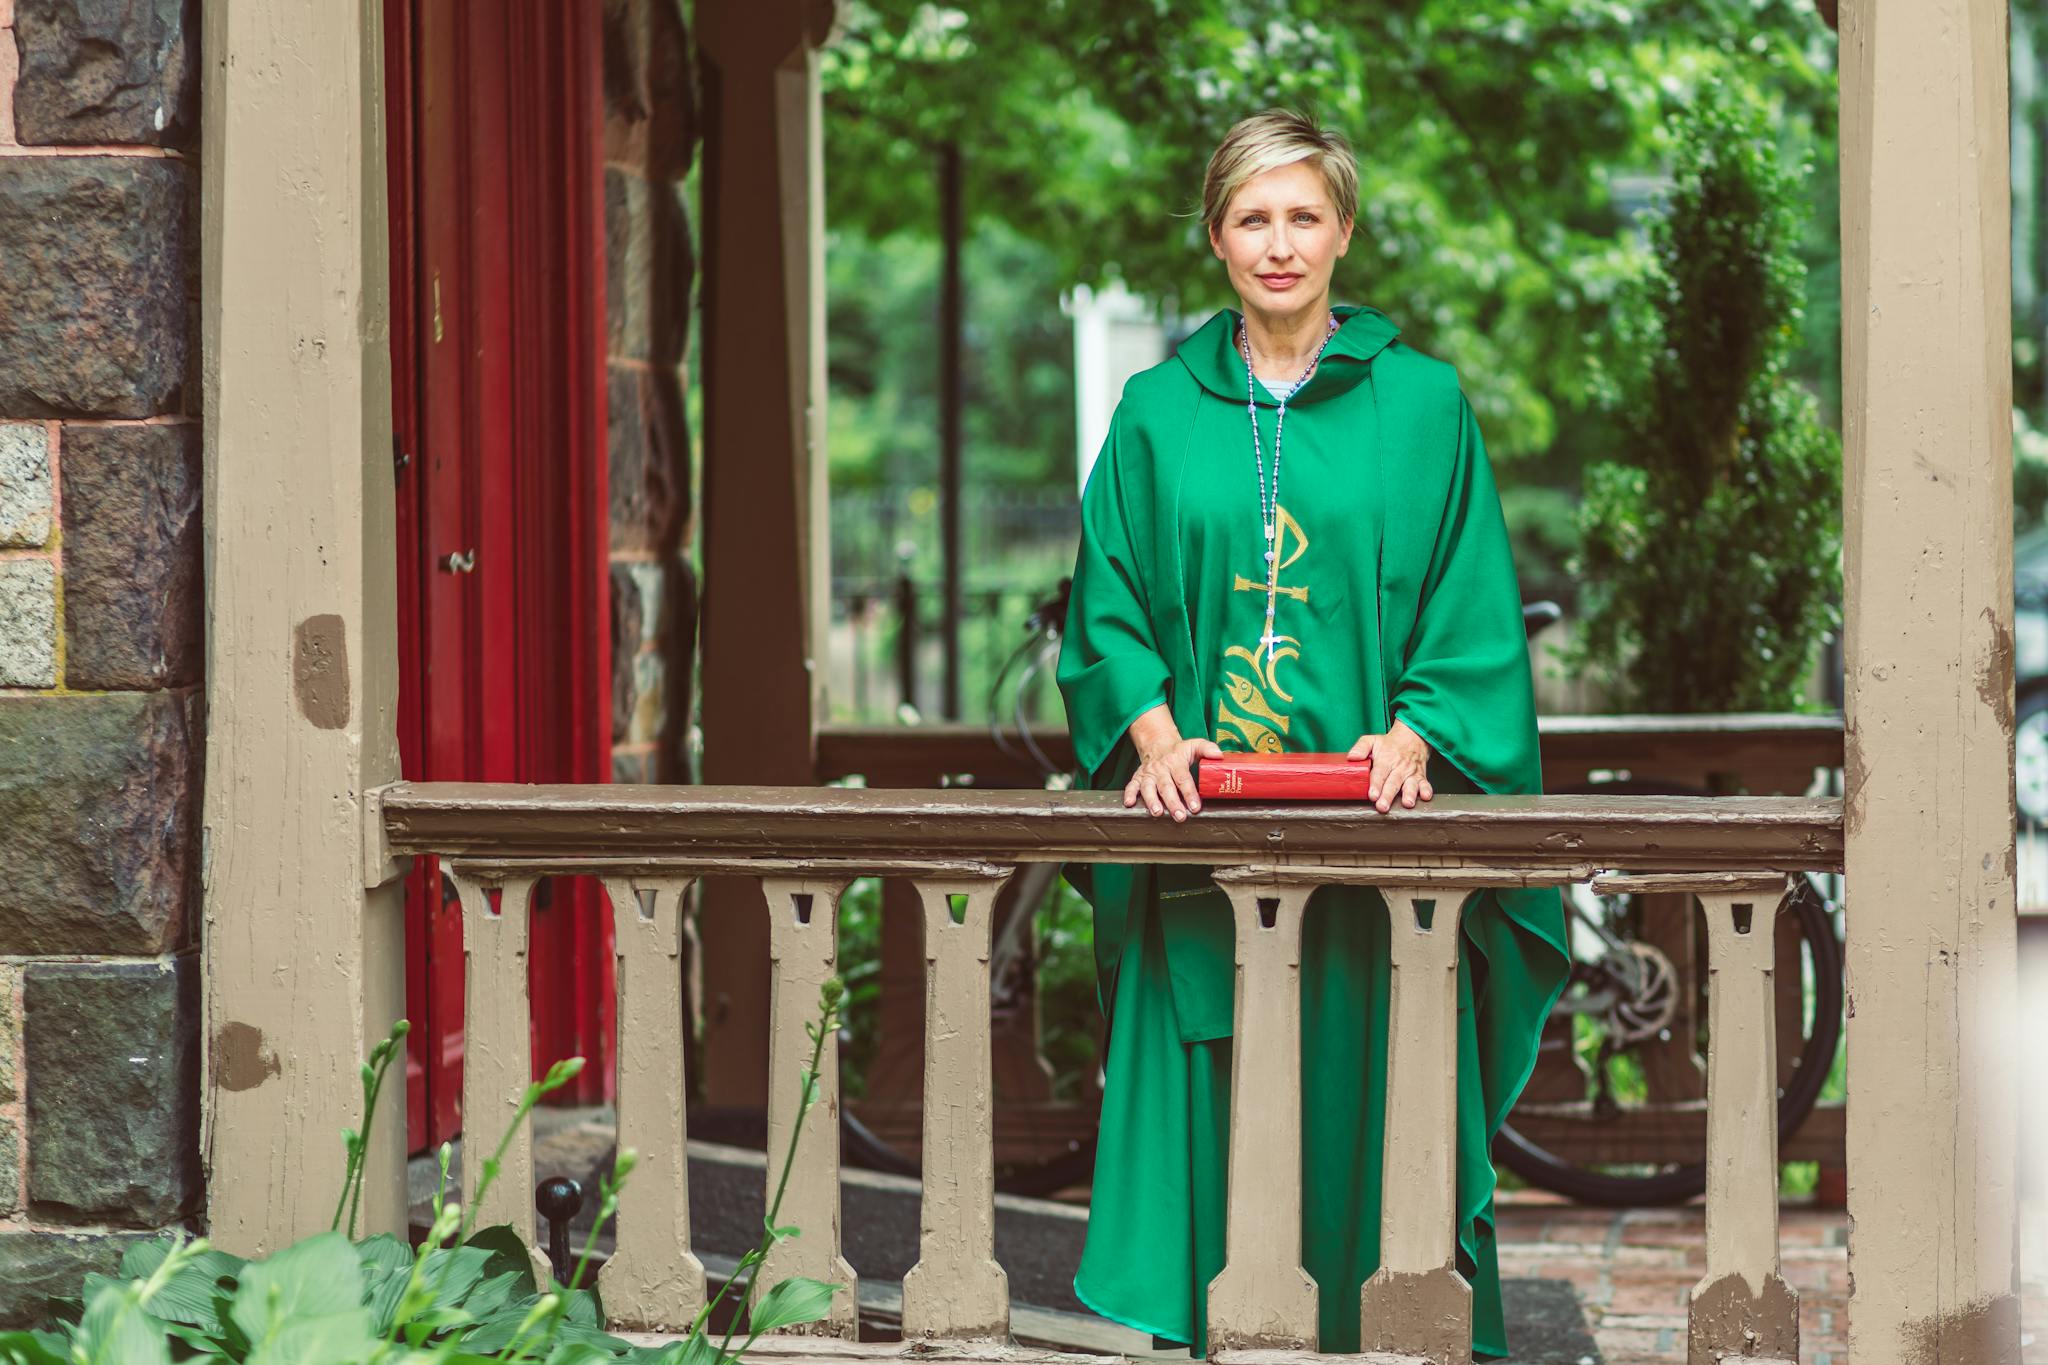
(1045, 1111)
(1616, 1114)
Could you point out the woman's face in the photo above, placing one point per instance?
(1280, 238)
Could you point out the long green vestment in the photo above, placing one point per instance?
(1397, 599)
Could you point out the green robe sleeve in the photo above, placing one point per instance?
(1464, 681)
(1110, 670)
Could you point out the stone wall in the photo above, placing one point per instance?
(101, 635)
(650, 140)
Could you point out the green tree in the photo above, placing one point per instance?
(1498, 142)
(1711, 560)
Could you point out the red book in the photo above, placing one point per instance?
(1284, 777)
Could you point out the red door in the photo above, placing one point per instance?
(497, 242)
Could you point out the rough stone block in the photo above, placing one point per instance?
(112, 1070)
(134, 599)
(107, 71)
(24, 485)
(93, 300)
(38, 1266)
(28, 623)
(648, 269)
(10, 1037)
(99, 800)
(634, 765)
(650, 690)
(10, 1167)
(627, 632)
(648, 458)
(650, 100)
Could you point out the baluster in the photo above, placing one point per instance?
(803, 921)
(1263, 1298)
(1417, 1303)
(653, 1282)
(1742, 1306)
(957, 1290)
(497, 1054)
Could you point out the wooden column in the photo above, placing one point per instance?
(803, 918)
(304, 955)
(497, 1052)
(765, 593)
(1263, 1299)
(654, 1282)
(957, 1291)
(1927, 378)
(1742, 1306)
(1417, 1303)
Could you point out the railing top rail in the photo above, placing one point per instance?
(701, 824)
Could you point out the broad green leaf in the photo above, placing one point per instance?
(305, 1304)
(508, 1254)
(670, 1354)
(453, 1271)
(577, 1353)
(115, 1331)
(33, 1348)
(193, 1293)
(794, 1300)
(492, 1295)
(339, 1339)
(141, 1259)
(208, 1344)
(579, 1306)
(700, 1348)
(384, 1251)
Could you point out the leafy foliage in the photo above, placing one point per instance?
(1498, 143)
(461, 1296)
(1711, 564)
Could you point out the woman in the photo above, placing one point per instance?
(1291, 541)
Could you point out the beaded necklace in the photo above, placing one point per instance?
(1269, 508)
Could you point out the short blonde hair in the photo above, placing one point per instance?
(1267, 141)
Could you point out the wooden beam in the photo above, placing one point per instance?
(1927, 406)
(645, 826)
(1766, 745)
(303, 951)
(765, 591)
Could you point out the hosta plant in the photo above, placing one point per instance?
(463, 1295)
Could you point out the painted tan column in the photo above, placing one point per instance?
(765, 592)
(803, 915)
(1742, 1306)
(1927, 379)
(957, 1290)
(1417, 1303)
(654, 1282)
(1263, 1298)
(497, 1054)
(304, 968)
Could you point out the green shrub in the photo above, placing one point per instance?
(461, 1296)
(1711, 568)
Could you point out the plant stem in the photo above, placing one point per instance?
(826, 1022)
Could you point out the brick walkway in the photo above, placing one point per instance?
(1633, 1269)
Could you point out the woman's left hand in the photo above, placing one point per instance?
(1400, 766)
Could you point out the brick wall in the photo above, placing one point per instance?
(101, 635)
(650, 138)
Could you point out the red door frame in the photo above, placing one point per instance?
(498, 381)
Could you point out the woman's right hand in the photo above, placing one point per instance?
(1165, 780)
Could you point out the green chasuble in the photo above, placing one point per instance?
(1397, 599)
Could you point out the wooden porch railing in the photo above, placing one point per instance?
(806, 844)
